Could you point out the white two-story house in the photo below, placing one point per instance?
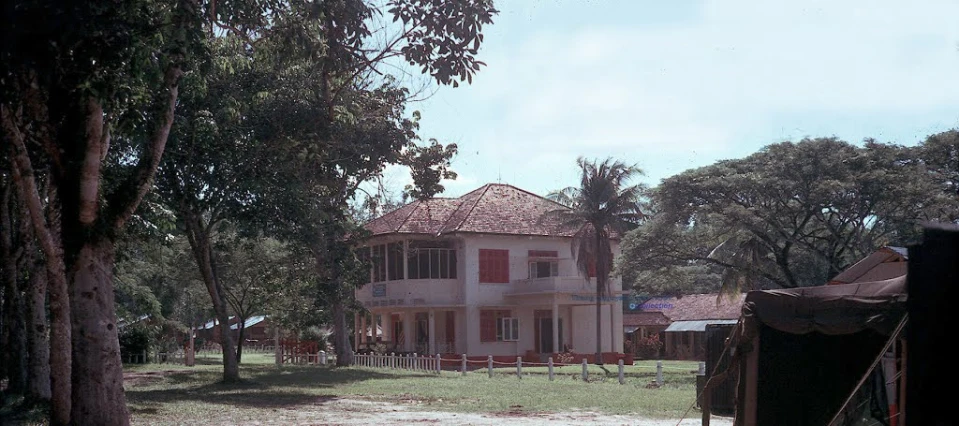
(482, 274)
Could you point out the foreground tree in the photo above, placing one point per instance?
(603, 206)
(87, 99)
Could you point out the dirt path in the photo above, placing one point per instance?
(337, 411)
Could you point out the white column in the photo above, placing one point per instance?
(362, 341)
(556, 348)
(387, 319)
(356, 332)
(408, 331)
(618, 344)
(612, 330)
(432, 332)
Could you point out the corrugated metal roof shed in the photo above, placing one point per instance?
(695, 325)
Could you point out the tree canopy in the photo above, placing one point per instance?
(793, 214)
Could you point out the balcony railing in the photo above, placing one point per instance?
(409, 293)
(553, 285)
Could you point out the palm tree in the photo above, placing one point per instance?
(603, 205)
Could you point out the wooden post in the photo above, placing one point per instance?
(416, 361)
(463, 362)
(519, 367)
(189, 354)
(585, 373)
(702, 368)
(622, 374)
(439, 364)
(704, 405)
(659, 373)
(392, 360)
(549, 364)
(489, 361)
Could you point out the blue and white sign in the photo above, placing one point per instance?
(379, 290)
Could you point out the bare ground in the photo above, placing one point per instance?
(343, 411)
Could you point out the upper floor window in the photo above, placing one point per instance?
(543, 264)
(493, 266)
(387, 261)
(543, 269)
(431, 259)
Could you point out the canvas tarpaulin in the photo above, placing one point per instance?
(800, 352)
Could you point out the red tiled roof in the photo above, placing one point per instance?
(645, 319)
(489, 209)
(694, 307)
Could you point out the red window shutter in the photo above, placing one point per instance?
(592, 268)
(487, 326)
(494, 266)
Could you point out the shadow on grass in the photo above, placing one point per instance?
(267, 387)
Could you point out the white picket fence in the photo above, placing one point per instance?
(413, 362)
(433, 364)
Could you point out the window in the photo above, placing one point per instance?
(543, 269)
(363, 254)
(386, 261)
(543, 263)
(431, 259)
(379, 262)
(507, 329)
(493, 266)
(394, 261)
(498, 326)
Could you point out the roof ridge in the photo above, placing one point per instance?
(533, 194)
(485, 188)
(412, 210)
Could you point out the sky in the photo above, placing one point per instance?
(674, 85)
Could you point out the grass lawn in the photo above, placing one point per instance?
(196, 394)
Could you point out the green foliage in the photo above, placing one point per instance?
(792, 214)
(136, 339)
(603, 205)
(158, 278)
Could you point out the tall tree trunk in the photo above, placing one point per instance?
(38, 349)
(202, 252)
(600, 291)
(38, 338)
(48, 239)
(599, 323)
(344, 353)
(15, 349)
(14, 327)
(98, 396)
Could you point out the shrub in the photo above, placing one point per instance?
(648, 347)
(567, 357)
(135, 340)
